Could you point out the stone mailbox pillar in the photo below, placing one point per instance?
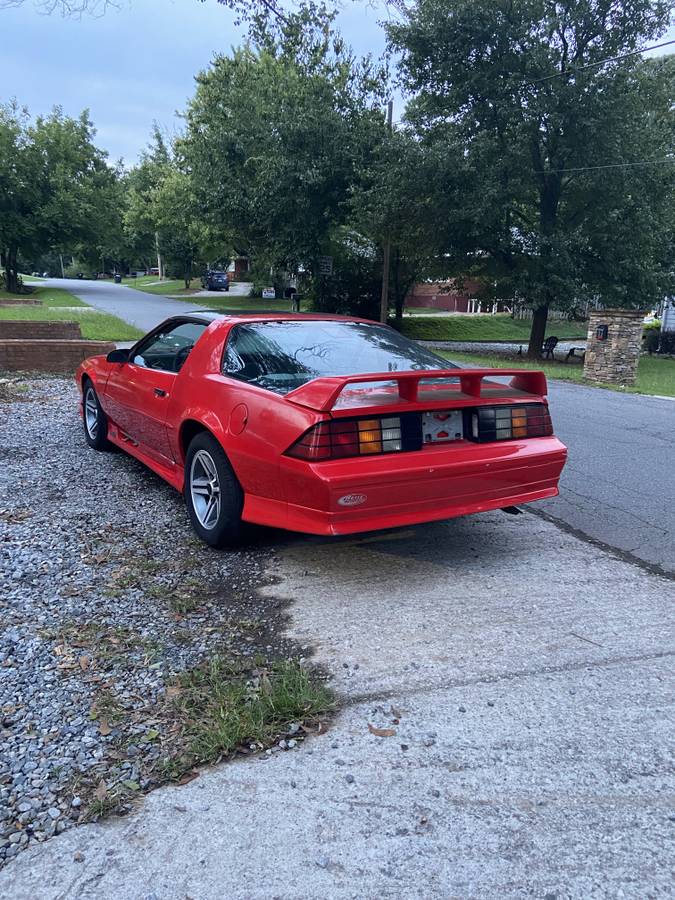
(614, 343)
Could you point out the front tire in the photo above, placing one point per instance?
(94, 419)
(213, 495)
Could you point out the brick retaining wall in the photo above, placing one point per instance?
(48, 356)
(18, 301)
(11, 329)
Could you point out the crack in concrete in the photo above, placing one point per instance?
(389, 693)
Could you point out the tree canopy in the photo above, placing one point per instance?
(276, 139)
(557, 159)
(56, 188)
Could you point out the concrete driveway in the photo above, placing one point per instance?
(528, 679)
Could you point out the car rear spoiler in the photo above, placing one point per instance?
(322, 394)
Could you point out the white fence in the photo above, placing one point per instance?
(668, 320)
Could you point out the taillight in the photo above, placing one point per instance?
(504, 423)
(354, 437)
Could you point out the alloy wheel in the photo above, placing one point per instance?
(205, 489)
(91, 413)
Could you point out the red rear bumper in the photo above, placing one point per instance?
(367, 494)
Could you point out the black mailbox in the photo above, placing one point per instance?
(601, 332)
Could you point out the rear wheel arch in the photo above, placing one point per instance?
(189, 430)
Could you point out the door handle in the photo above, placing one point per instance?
(159, 392)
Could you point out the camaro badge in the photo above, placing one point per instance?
(352, 500)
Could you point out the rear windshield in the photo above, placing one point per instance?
(281, 356)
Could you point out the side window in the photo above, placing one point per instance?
(168, 350)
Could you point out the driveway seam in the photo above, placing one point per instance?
(356, 699)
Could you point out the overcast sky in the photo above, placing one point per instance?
(132, 65)
(135, 64)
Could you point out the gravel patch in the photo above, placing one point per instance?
(105, 596)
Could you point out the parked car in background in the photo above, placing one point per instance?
(215, 280)
(319, 424)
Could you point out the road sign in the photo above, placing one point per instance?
(325, 265)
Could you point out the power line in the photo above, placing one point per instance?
(600, 62)
(643, 162)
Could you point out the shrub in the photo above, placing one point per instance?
(667, 344)
(656, 341)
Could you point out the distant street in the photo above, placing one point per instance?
(135, 307)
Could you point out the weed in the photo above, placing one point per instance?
(223, 707)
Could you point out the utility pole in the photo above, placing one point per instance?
(384, 299)
(160, 266)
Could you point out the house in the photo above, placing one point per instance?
(448, 295)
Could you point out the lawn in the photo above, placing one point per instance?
(656, 375)
(500, 327)
(149, 285)
(57, 304)
(49, 297)
(225, 302)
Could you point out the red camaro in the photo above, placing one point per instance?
(319, 424)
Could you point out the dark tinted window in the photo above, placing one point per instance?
(281, 356)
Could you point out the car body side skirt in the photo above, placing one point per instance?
(170, 471)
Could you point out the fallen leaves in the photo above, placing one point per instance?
(381, 732)
(84, 662)
(101, 791)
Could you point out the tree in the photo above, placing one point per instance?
(275, 140)
(161, 212)
(66, 7)
(526, 106)
(396, 199)
(54, 186)
(140, 189)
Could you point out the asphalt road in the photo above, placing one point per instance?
(135, 307)
(619, 484)
(524, 679)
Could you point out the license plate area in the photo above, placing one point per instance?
(442, 426)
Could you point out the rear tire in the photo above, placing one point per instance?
(213, 495)
(94, 419)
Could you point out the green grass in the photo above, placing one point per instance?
(49, 297)
(655, 375)
(500, 327)
(222, 706)
(226, 302)
(170, 286)
(55, 306)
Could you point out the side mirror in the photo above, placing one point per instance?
(117, 356)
